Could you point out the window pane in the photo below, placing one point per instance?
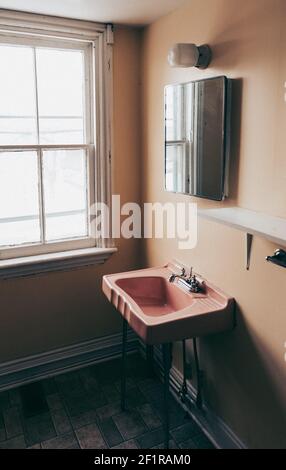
(19, 201)
(17, 96)
(65, 194)
(177, 168)
(60, 75)
(174, 115)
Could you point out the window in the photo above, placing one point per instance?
(179, 137)
(52, 138)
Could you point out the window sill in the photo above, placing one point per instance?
(62, 261)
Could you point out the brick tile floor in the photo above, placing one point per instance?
(81, 409)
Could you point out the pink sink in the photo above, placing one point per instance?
(155, 295)
(162, 312)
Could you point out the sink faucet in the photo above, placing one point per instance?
(190, 282)
(179, 276)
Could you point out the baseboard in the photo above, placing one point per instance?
(41, 366)
(214, 427)
(220, 434)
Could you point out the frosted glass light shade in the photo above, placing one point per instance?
(189, 55)
(183, 55)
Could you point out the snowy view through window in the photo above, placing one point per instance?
(43, 191)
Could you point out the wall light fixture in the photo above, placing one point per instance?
(190, 55)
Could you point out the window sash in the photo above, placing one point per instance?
(28, 249)
(91, 50)
(89, 64)
(99, 37)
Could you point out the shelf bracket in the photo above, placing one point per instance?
(249, 239)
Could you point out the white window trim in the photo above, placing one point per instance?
(101, 38)
(61, 261)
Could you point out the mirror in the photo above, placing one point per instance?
(197, 116)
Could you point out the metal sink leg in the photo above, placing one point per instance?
(184, 389)
(123, 365)
(199, 372)
(167, 360)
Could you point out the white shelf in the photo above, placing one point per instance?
(251, 222)
(254, 223)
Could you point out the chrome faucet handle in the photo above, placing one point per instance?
(191, 272)
(194, 283)
(183, 272)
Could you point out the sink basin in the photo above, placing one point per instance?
(162, 312)
(155, 295)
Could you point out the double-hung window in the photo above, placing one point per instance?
(52, 96)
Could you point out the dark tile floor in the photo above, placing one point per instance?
(81, 410)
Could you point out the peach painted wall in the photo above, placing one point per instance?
(54, 310)
(245, 369)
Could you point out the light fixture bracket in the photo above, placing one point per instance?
(205, 56)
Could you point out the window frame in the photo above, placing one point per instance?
(96, 40)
